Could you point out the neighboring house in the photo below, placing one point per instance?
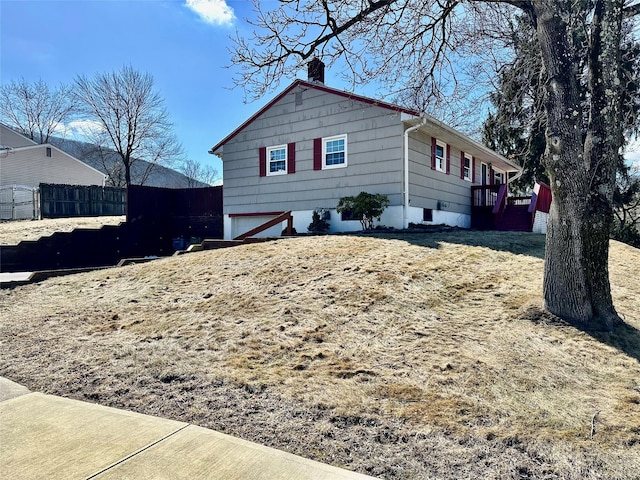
(28, 163)
(312, 145)
(142, 172)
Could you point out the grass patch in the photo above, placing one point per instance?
(417, 356)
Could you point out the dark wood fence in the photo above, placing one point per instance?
(173, 202)
(159, 222)
(182, 214)
(81, 200)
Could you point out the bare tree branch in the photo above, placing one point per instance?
(132, 118)
(35, 109)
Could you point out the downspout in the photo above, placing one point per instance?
(405, 201)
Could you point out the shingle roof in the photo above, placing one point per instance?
(317, 86)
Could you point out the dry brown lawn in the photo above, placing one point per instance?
(13, 232)
(423, 356)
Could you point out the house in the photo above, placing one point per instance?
(28, 163)
(313, 144)
(110, 163)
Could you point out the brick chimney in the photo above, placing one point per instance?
(316, 70)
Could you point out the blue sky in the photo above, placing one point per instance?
(181, 43)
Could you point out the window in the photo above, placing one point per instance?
(466, 167)
(440, 158)
(277, 160)
(334, 152)
(498, 177)
(48, 151)
(427, 215)
(439, 155)
(330, 152)
(348, 215)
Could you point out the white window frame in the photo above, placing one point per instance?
(326, 140)
(499, 173)
(286, 160)
(443, 164)
(467, 173)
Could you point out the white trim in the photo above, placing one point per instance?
(443, 167)
(440, 217)
(470, 158)
(391, 217)
(436, 128)
(286, 160)
(485, 180)
(325, 140)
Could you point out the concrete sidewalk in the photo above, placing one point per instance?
(44, 436)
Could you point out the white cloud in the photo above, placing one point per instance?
(79, 129)
(216, 12)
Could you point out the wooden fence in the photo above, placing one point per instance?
(159, 221)
(183, 214)
(81, 200)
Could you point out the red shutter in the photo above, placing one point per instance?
(491, 176)
(433, 153)
(291, 157)
(462, 165)
(473, 169)
(448, 166)
(317, 154)
(262, 154)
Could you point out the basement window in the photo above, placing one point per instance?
(348, 215)
(427, 215)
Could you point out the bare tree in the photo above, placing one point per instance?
(131, 118)
(422, 46)
(36, 110)
(197, 173)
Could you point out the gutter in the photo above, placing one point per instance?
(405, 201)
(470, 141)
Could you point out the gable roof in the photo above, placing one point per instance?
(215, 150)
(6, 130)
(82, 164)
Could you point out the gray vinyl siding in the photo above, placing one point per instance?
(374, 154)
(434, 189)
(31, 166)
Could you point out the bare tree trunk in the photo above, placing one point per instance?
(581, 166)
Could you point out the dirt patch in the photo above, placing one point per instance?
(416, 356)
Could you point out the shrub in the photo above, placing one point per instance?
(317, 225)
(367, 207)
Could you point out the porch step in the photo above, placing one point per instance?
(515, 218)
